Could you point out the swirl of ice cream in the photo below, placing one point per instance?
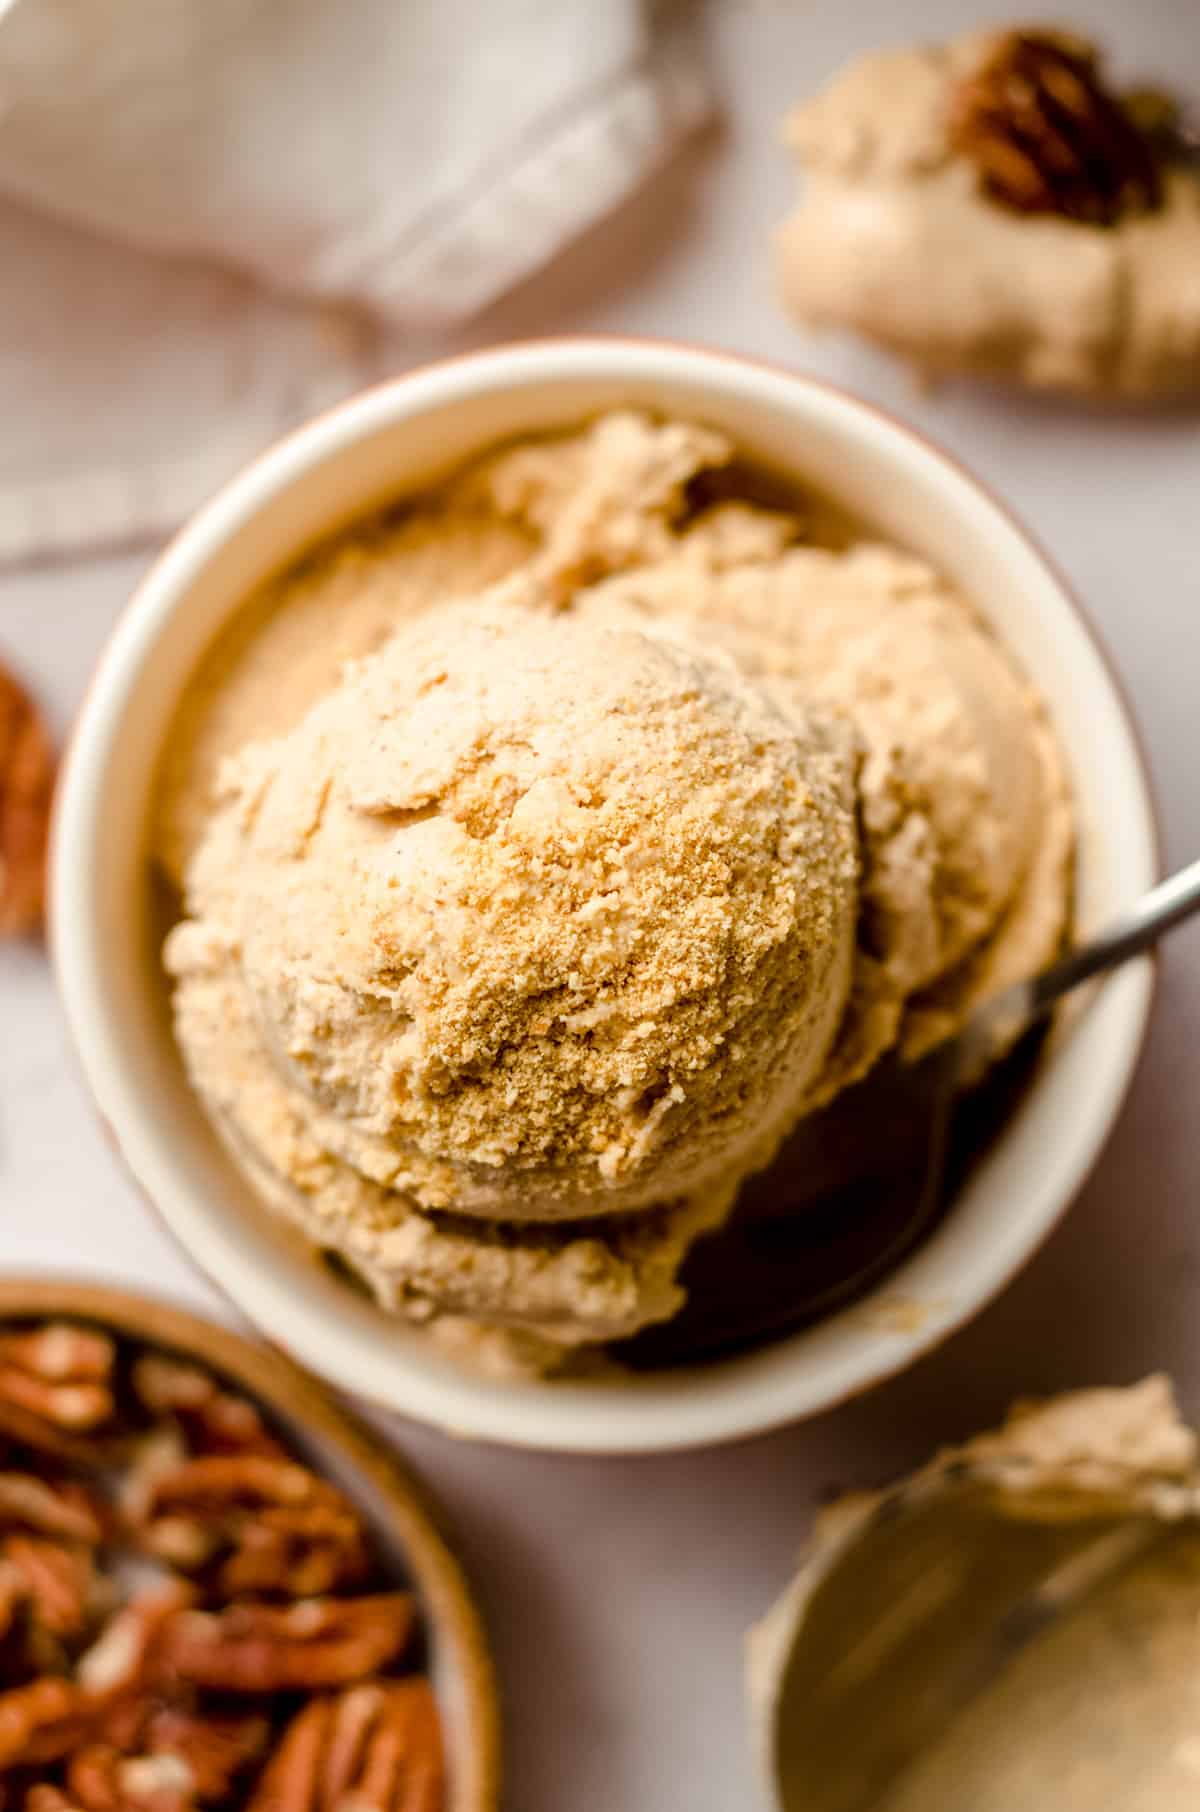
(541, 917)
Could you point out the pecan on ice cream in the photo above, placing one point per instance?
(1047, 136)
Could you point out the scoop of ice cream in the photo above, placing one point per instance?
(545, 918)
(961, 788)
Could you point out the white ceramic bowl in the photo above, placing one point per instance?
(378, 446)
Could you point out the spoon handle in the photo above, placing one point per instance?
(1165, 906)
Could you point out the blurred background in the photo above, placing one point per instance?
(215, 219)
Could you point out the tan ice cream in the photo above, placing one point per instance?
(546, 918)
(523, 939)
(961, 789)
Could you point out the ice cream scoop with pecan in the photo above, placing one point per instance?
(994, 206)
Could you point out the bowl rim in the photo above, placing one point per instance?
(302, 1401)
(471, 1406)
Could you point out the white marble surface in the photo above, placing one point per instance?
(619, 1591)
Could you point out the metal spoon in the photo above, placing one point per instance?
(857, 1186)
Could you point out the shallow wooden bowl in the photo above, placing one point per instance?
(405, 1522)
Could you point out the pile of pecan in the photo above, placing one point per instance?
(1048, 137)
(191, 1619)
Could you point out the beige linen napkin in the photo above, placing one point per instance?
(215, 217)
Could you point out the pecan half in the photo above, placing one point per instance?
(100, 1779)
(41, 1722)
(26, 784)
(376, 1747)
(64, 1509)
(58, 1582)
(212, 1420)
(168, 1760)
(55, 1383)
(60, 1352)
(290, 1782)
(216, 1749)
(53, 1717)
(254, 1525)
(1048, 137)
(43, 1797)
(125, 1653)
(262, 1648)
(67, 1406)
(22, 1427)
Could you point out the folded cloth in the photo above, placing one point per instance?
(216, 217)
